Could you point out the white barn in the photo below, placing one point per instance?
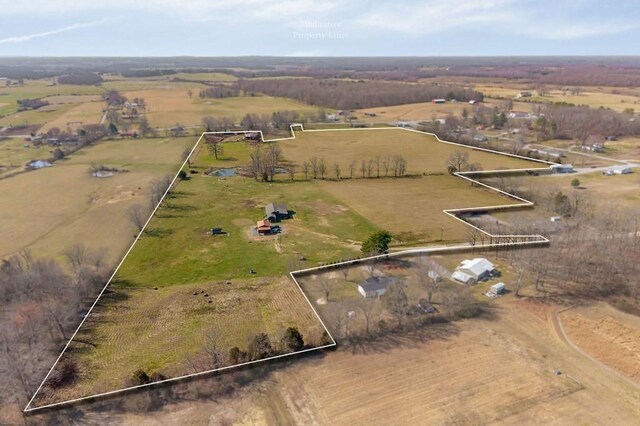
(474, 270)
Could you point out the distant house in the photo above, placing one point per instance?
(264, 227)
(473, 102)
(479, 138)
(375, 286)
(39, 164)
(276, 212)
(594, 143)
(561, 168)
(618, 170)
(129, 134)
(254, 136)
(524, 94)
(474, 270)
(439, 101)
(332, 117)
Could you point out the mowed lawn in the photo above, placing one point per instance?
(49, 210)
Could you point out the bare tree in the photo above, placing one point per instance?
(326, 285)
(292, 171)
(322, 168)
(305, 169)
(336, 169)
(429, 276)
(459, 160)
(314, 167)
(138, 216)
(368, 306)
(352, 167)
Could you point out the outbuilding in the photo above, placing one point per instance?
(618, 170)
(375, 286)
(276, 212)
(497, 289)
(474, 270)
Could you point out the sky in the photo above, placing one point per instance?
(318, 27)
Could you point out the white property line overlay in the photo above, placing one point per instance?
(535, 240)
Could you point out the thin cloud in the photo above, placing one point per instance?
(23, 38)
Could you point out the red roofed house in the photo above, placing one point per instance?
(263, 227)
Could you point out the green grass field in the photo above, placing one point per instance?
(50, 210)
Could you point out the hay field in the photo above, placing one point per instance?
(424, 154)
(159, 330)
(89, 112)
(170, 104)
(416, 112)
(411, 209)
(51, 209)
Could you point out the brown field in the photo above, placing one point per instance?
(424, 154)
(607, 334)
(625, 149)
(89, 112)
(384, 201)
(416, 112)
(171, 104)
(412, 209)
(158, 330)
(617, 189)
(51, 209)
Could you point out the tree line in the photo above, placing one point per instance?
(376, 167)
(341, 94)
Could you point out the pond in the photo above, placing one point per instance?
(224, 172)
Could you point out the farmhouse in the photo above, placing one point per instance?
(474, 270)
(375, 286)
(276, 212)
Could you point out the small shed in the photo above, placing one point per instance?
(217, 231)
(263, 227)
(497, 289)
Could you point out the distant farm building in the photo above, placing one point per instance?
(276, 212)
(618, 170)
(4, 81)
(375, 286)
(524, 94)
(473, 102)
(39, 164)
(439, 101)
(129, 134)
(561, 168)
(253, 136)
(471, 271)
